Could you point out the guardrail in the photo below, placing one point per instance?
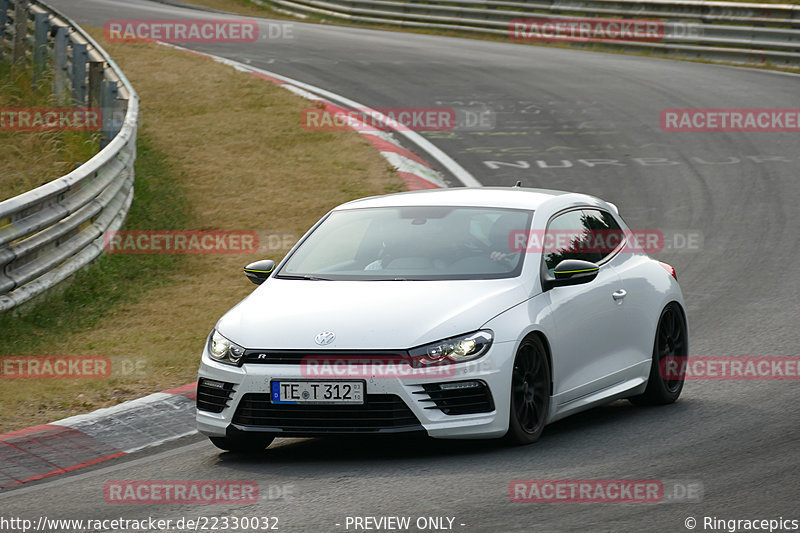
(50, 232)
(695, 29)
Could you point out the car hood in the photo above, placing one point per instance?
(288, 314)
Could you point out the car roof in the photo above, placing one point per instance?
(507, 197)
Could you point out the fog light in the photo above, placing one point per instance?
(212, 383)
(460, 385)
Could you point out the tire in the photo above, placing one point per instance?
(250, 445)
(530, 393)
(671, 345)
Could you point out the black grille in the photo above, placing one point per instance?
(295, 357)
(381, 413)
(457, 397)
(212, 395)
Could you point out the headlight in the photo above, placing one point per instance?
(454, 350)
(222, 350)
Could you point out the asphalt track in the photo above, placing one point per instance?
(735, 194)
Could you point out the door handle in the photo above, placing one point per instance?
(619, 295)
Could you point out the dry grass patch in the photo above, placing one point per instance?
(243, 162)
(29, 159)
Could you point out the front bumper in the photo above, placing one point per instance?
(468, 400)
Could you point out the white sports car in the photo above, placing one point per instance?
(461, 313)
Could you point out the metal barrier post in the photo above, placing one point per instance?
(79, 58)
(60, 65)
(40, 50)
(108, 98)
(20, 29)
(96, 73)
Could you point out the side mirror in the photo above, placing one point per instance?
(571, 272)
(259, 271)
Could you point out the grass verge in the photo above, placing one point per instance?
(91, 295)
(219, 149)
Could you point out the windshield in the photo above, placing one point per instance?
(411, 243)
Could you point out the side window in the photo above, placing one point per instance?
(586, 234)
(606, 233)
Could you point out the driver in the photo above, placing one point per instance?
(499, 238)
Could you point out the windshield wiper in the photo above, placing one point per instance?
(304, 276)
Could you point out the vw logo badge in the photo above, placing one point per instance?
(325, 338)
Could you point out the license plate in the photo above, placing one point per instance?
(317, 392)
